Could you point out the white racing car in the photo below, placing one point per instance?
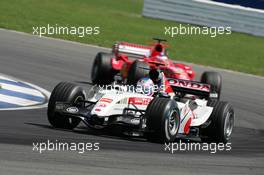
(182, 108)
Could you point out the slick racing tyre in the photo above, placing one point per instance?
(138, 69)
(64, 92)
(102, 72)
(215, 81)
(163, 120)
(221, 124)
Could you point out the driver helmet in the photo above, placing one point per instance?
(162, 57)
(145, 86)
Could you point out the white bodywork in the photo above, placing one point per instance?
(113, 102)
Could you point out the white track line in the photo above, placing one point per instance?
(57, 39)
(5, 78)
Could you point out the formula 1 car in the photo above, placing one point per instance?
(185, 108)
(133, 62)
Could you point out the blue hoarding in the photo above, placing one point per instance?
(257, 4)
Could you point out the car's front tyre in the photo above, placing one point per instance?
(102, 72)
(138, 70)
(64, 92)
(163, 120)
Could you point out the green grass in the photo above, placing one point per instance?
(121, 20)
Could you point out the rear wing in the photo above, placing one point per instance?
(191, 87)
(132, 50)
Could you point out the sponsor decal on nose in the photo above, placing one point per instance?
(107, 100)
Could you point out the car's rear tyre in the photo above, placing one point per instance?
(163, 120)
(221, 123)
(215, 81)
(102, 72)
(64, 92)
(138, 69)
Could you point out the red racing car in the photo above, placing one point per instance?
(134, 61)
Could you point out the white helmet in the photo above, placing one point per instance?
(145, 86)
(162, 57)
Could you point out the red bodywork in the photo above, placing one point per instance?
(126, 53)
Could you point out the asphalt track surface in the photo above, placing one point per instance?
(45, 62)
